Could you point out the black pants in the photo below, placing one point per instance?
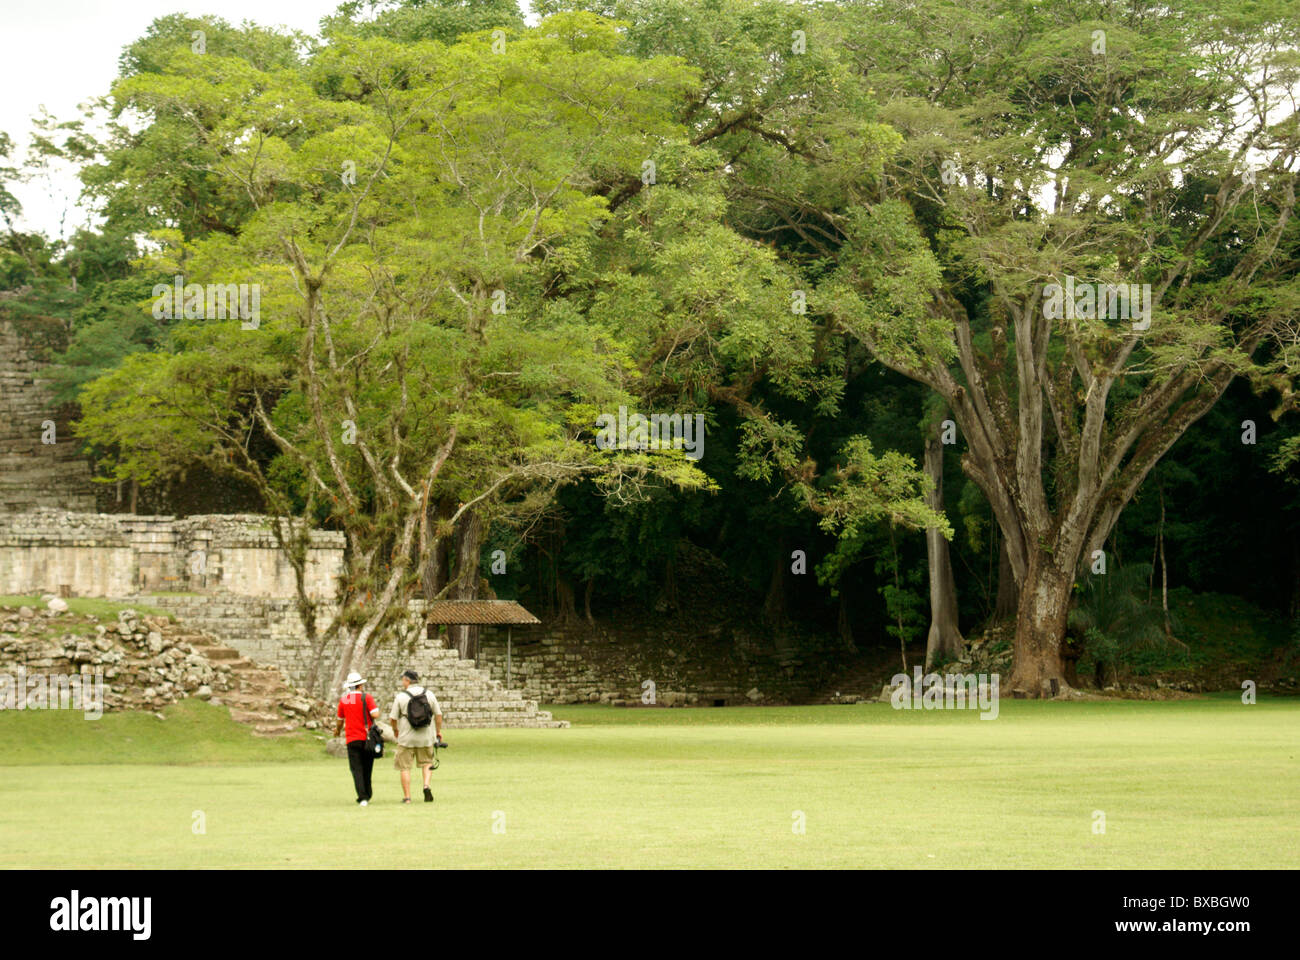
(362, 761)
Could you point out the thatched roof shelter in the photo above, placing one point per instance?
(481, 613)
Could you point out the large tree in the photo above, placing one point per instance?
(1050, 143)
(410, 208)
(932, 169)
(904, 179)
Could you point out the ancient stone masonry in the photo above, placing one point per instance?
(688, 665)
(268, 630)
(226, 575)
(33, 473)
(120, 555)
(146, 662)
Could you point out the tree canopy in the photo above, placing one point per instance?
(825, 228)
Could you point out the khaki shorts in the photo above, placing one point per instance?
(406, 757)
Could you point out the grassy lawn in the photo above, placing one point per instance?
(83, 606)
(1203, 783)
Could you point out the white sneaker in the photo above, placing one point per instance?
(365, 803)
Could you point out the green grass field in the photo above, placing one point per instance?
(1197, 783)
(86, 606)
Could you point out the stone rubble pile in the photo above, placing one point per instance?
(148, 662)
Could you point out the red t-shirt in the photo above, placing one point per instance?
(354, 717)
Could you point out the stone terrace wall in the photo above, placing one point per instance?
(243, 593)
(688, 663)
(551, 663)
(268, 630)
(714, 649)
(120, 555)
(265, 629)
(35, 474)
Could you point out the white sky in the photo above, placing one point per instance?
(62, 52)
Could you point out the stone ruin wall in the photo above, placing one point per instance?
(123, 555)
(269, 630)
(243, 592)
(52, 541)
(32, 473)
(690, 664)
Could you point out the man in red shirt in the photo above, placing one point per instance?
(357, 710)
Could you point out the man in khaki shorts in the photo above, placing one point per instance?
(414, 744)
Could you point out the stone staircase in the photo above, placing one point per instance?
(32, 473)
(257, 695)
(259, 631)
(469, 697)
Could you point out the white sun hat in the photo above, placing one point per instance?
(354, 679)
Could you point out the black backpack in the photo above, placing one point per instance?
(374, 736)
(419, 712)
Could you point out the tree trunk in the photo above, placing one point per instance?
(1038, 669)
(846, 625)
(357, 650)
(945, 640)
(668, 598)
(1008, 596)
(347, 648)
(898, 589)
(1164, 567)
(469, 537)
(568, 613)
(436, 549)
(774, 609)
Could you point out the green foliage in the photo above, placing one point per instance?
(1225, 630)
(410, 21)
(107, 325)
(869, 488)
(909, 172)
(1118, 623)
(407, 351)
(904, 601)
